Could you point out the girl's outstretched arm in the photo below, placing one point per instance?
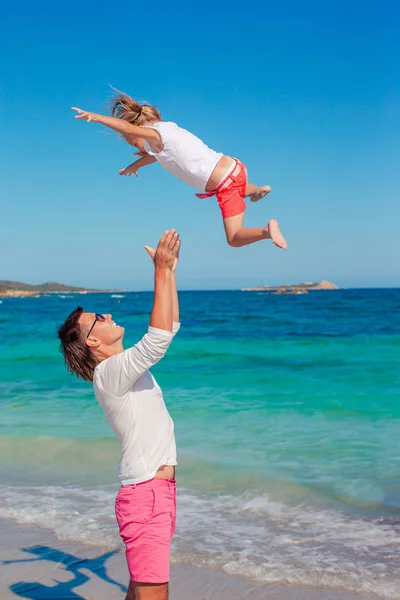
(118, 125)
(138, 164)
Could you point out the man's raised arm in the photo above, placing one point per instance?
(119, 373)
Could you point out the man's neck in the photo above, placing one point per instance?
(105, 352)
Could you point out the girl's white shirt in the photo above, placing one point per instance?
(184, 155)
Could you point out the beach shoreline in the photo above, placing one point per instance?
(286, 416)
(35, 564)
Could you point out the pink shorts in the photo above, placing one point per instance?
(146, 515)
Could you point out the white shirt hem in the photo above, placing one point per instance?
(145, 478)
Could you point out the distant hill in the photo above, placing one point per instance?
(42, 287)
(296, 287)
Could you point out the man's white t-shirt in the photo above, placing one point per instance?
(134, 406)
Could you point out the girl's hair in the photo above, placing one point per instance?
(129, 109)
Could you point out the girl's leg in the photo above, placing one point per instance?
(237, 235)
(255, 193)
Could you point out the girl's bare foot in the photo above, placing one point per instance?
(259, 193)
(272, 230)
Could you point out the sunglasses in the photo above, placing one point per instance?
(98, 317)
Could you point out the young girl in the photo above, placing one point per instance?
(188, 158)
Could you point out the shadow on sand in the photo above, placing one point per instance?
(72, 564)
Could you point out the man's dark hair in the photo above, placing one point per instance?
(77, 354)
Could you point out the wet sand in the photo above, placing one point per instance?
(34, 564)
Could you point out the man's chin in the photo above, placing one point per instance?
(117, 333)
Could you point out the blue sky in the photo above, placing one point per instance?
(306, 93)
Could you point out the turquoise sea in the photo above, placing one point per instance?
(286, 410)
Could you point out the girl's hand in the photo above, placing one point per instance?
(131, 170)
(84, 115)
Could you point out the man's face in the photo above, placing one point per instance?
(105, 330)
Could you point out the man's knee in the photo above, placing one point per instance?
(131, 591)
(148, 591)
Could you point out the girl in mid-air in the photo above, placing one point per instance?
(188, 158)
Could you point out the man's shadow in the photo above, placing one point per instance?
(72, 564)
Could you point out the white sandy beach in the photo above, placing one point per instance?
(34, 564)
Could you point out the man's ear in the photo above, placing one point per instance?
(92, 342)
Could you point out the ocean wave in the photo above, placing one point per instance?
(244, 534)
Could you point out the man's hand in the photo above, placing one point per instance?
(151, 252)
(84, 115)
(131, 170)
(167, 253)
(171, 276)
(165, 297)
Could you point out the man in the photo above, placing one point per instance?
(134, 406)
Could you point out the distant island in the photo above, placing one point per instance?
(16, 289)
(296, 288)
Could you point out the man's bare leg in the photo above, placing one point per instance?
(238, 236)
(131, 591)
(147, 591)
(255, 193)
